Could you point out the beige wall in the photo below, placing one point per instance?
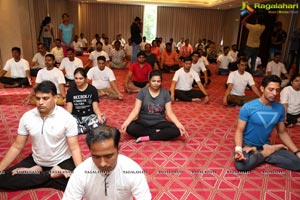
(231, 26)
(15, 27)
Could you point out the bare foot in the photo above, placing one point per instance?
(249, 149)
(57, 172)
(197, 100)
(270, 149)
(11, 86)
(23, 170)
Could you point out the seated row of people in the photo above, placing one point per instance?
(56, 152)
(103, 78)
(252, 144)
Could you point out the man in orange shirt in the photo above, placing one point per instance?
(186, 50)
(169, 59)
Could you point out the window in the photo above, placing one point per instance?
(149, 24)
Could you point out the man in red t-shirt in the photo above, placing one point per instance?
(138, 74)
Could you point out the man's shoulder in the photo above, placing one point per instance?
(30, 113)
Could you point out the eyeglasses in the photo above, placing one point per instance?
(106, 184)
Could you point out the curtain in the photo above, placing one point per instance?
(192, 23)
(110, 19)
(55, 9)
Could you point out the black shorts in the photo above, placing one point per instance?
(292, 119)
(140, 84)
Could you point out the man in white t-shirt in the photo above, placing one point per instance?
(107, 47)
(198, 66)
(53, 74)
(57, 51)
(182, 84)
(275, 67)
(107, 174)
(290, 99)
(38, 60)
(83, 41)
(236, 84)
(55, 148)
(223, 61)
(102, 78)
(70, 64)
(118, 59)
(95, 54)
(19, 70)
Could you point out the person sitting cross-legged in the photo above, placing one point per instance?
(102, 77)
(256, 122)
(82, 103)
(70, 64)
(55, 148)
(290, 99)
(150, 106)
(138, 73)
(50, 73)
(19, 71)
(236, 85)
(182, 84)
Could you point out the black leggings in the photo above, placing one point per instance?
(40, 180)
(161, 131)
(11, 81)
(188, 95)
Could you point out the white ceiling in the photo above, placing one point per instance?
(208, 4)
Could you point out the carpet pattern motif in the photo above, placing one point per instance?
(200, 167)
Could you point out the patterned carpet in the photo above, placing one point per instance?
(200, 167)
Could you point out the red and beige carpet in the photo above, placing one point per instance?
(200, 167)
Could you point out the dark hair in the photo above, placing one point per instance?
(101, 58)
(70, 49)
(102, 133)
(50, 56)
(294, 77)
(155, 73)
(195, 52)
(117, 42)
(46, 87)
(99, 43)
(277, 53)
(267, 79)
(65, 14)
(242, 59)
(137, 19)
(40, 43)
(57, 39)
(226, 47)
(141, 53)
(187, 59)
(80, 71)
(16, 49)
(168, 44)
(148, 44)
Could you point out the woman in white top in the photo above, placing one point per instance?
(290, 98)
(46, 32)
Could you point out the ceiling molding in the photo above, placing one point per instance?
(207, 4)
